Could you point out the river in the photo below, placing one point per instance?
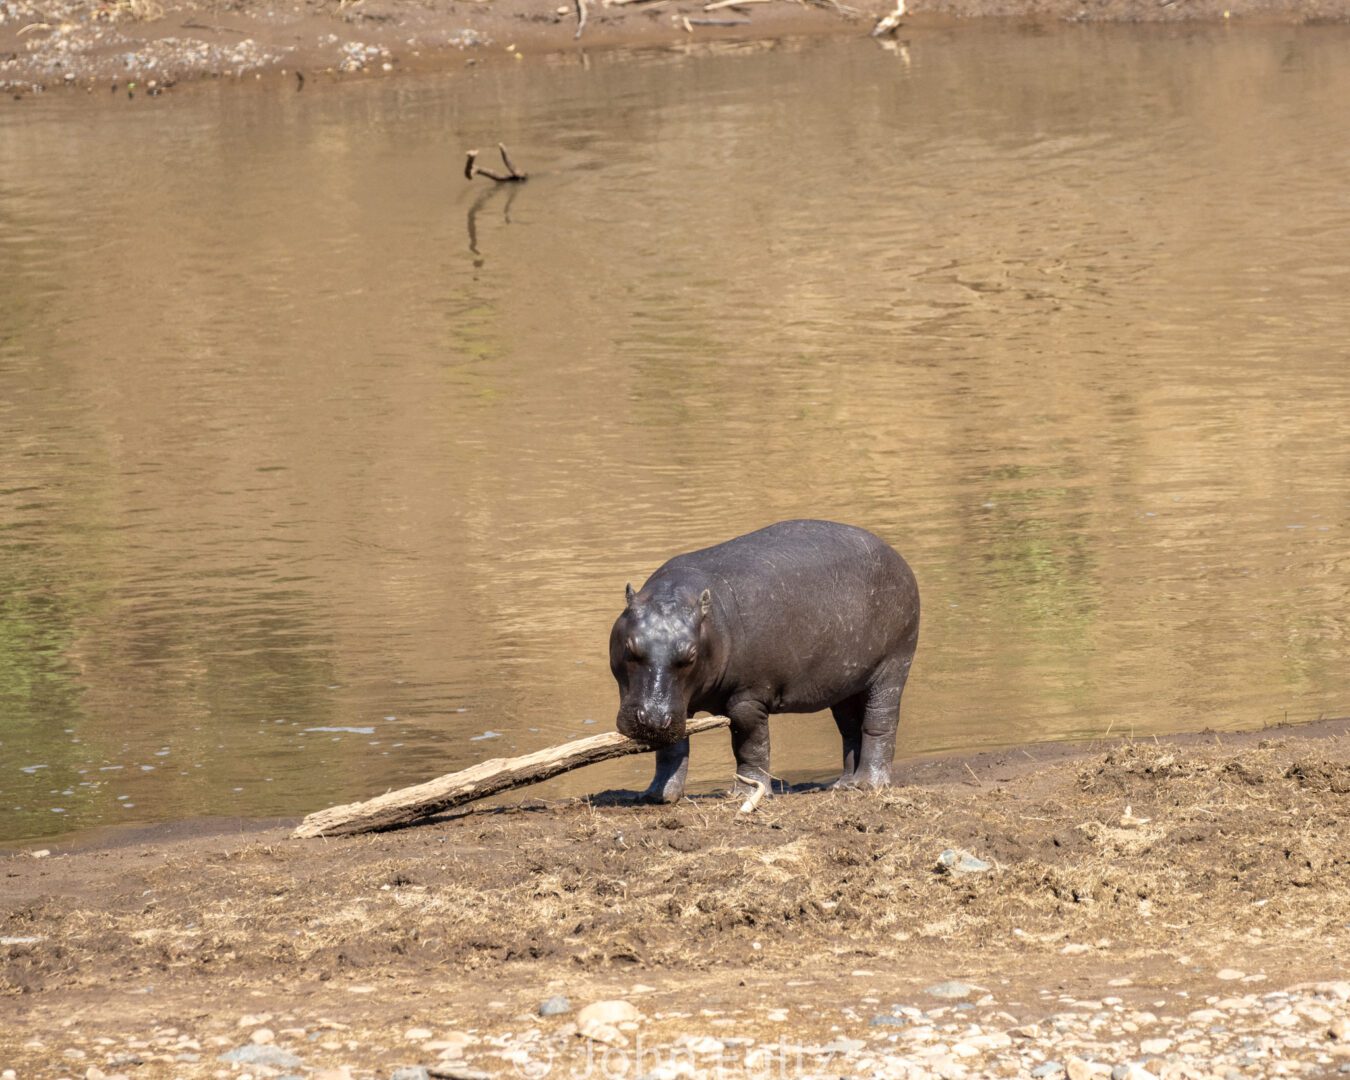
(322, 469)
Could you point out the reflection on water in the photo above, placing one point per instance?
(323, 470)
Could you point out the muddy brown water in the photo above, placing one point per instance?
(323, 470)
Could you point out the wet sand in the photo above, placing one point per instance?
(141, 47)
(1176, 906)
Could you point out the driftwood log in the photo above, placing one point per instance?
(410, 804)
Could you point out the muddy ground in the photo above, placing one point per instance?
(1160, 874)
(142, 47)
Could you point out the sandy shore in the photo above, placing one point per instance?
(1175, 908)
(147, 46)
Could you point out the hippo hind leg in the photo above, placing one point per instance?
(848, 717)
(672, 766)
(881, 719)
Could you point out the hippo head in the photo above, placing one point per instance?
(658, 653)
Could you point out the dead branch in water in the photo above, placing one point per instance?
(410, 804)
(472, 168)
(581, 19)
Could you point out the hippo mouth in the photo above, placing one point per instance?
(654, 735)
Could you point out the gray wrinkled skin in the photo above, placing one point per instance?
(796, 617)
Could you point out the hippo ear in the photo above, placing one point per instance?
(704, 602)
(629, 594)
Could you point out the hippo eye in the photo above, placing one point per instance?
(634, 653)
(685, 657)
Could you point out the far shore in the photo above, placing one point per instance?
(142, 48)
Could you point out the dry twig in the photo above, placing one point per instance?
(748, 807)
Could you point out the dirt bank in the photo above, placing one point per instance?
(145, 46)
(1135, 880)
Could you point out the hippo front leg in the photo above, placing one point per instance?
(750, 744)
(672, 766)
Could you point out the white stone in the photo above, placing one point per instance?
(607, 1012)
(1230, 974)
(1079, 1069)
(1155, 1046)
(263, 1036)
(417, 1034)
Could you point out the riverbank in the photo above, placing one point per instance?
(141, 47)
(1179, 908)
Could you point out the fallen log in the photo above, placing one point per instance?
(407, 805)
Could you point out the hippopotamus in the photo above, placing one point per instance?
(795, 617)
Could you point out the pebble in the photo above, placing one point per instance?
(1230, 974)
(956, 862)
(417, 1034)
(607, 1012)
(1150, 1047)
(952, 991)
(705, 1044)
(1047, 1068)
(254, 1054)
(263, 1036)
(555, 1006)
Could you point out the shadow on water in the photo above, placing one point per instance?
(484, 197)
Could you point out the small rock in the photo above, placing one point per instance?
(607, 1012)
(263, 1037)
(555, 1006)
(1340, 1030)
(249, 1020)
(842, 1045)
(456, 1072)
(1081, 1069)
(1230, 974)
(1152, 1047)
(1026, 1031)
(409, 1072)
(954, 861)
(254, 1054)
(704, 1044)
(599, 1031)
(1075, 948)
(95, 1073)
(884, 1020)
(1046, 1069)
(952, 990)
(417, 1034)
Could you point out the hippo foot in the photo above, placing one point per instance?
(657, 796)
(742, 790)
(869, 780)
